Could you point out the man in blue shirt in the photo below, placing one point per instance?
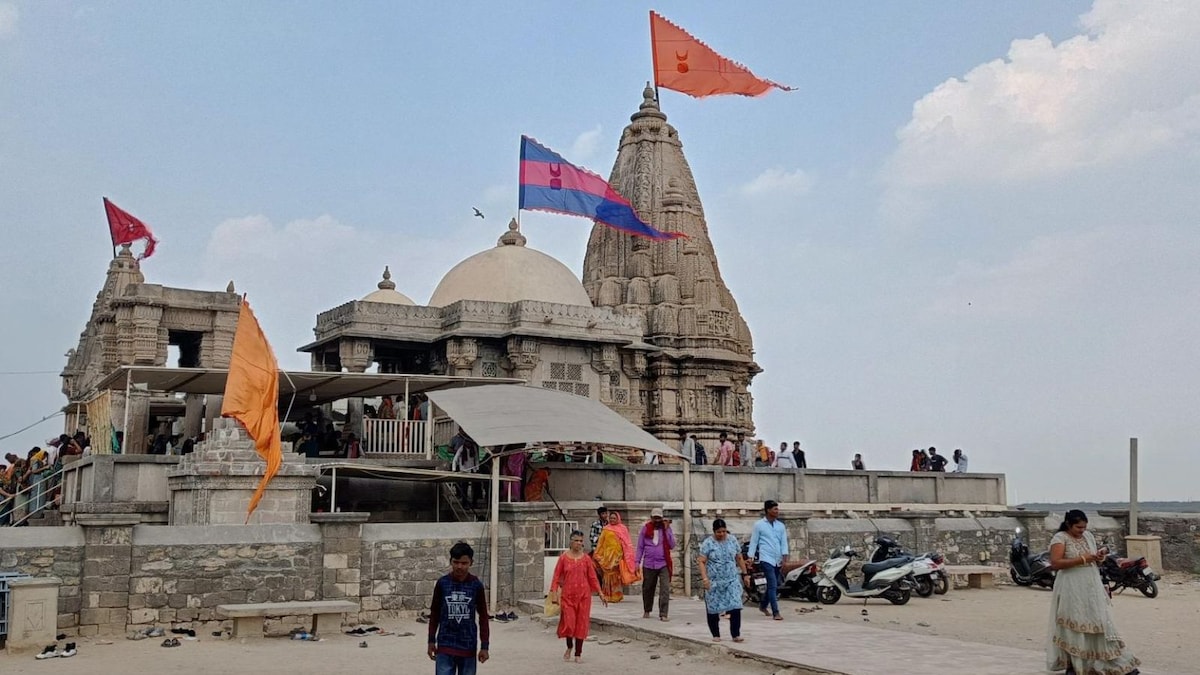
(457, 598)
(769, 545)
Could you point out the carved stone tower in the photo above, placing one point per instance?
(695, 378)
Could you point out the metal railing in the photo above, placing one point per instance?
(558, 535)
(6, 600)
(411, 438)
(29, 501)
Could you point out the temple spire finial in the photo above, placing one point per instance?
(513, 237)
(387, 284)
(649, 107)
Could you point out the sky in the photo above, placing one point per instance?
(972, 226)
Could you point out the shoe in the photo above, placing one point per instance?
(50, 652)
(69, 651)
(363, 644)
(356, 631)
(155, 632)
(60, 636)
(170, 642)
(511, 616)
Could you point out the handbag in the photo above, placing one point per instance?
(552, 607)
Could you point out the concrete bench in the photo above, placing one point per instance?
(978, 576)
(248, 618)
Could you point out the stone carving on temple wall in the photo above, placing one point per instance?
(521, 357)
(356, 355)
(461, 354)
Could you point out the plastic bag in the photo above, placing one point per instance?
(552, 607)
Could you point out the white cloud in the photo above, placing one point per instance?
(8, 19)
(584, 147)
(778, 182)
(1124, 89)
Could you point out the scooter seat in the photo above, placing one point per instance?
(1127, 563)
(871, 569)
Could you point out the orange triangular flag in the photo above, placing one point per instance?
(687, 65)
(252, 395)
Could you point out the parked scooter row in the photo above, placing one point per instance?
(929, 569)
(1117, 573)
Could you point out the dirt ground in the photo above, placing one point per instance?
(518, 648)
(1161, 632)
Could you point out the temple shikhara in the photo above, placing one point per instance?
(652, 331)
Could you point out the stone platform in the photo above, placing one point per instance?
(814, 647)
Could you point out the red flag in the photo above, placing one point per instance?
(687, 65)
(125, 229)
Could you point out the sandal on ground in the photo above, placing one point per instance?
(663, 618)
(739, 639)
(778, 617)
(716, 638)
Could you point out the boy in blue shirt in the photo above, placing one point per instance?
(457, 598)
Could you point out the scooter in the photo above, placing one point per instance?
(1121, 573)
(929, 569)
(891, 579)
(1026, 569)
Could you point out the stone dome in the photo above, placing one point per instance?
(387, 292)
(508, 273)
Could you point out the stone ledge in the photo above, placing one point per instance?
(287, 608)
(65, 536)
(339, 518)
(203, 535)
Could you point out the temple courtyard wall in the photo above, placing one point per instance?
(118, 575)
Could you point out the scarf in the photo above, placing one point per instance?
(658, 539)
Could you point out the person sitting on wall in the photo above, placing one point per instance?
(857, 463)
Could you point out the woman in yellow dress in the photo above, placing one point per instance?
(614, 556)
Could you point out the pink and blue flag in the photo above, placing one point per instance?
(551, 183)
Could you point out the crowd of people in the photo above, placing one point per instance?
(1082, 636)
(930, 460)
(740, 451)
(31, 483)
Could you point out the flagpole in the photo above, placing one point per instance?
(654, 56)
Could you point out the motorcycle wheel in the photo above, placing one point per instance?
(942, 585)
(924, 586)
(1016, 580)
(898, 597)
(828, 595)
(1149, 589)
(1046, 582)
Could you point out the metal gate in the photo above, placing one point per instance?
(6, 601)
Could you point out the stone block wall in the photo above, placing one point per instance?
(180, 574)
(48, 552)
(401, 563)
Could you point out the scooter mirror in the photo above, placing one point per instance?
(1018, 531)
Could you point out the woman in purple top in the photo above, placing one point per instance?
(654, 546)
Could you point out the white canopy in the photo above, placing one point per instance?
(505, 414)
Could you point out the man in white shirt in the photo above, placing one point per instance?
(745, 449)
(784, 459)
(960, 460)
(689, 448)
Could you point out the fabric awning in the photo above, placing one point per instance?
(504, 414)
(313, 387)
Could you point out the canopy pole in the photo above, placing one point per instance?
(333, 492)
(494, 530)
(687, 528)
(125, 427)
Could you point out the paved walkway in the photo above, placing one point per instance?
(820, 647)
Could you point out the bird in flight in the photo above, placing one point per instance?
(477, 211)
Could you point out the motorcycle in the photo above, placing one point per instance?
(758, 578)
(890, 579)
(1121, 573)
(800, 580)
(929, 569)
(1026, 569)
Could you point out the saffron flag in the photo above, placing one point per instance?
(551, 183)
(252, 395)
(687, 65)
(125, 229)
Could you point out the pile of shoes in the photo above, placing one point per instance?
(53, 652)
(505, 617)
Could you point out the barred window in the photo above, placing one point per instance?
(489, 369)
(558, 371)
(614, 378)
(574, 372)
(549, 385)
(583, 390)
(621, 396)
